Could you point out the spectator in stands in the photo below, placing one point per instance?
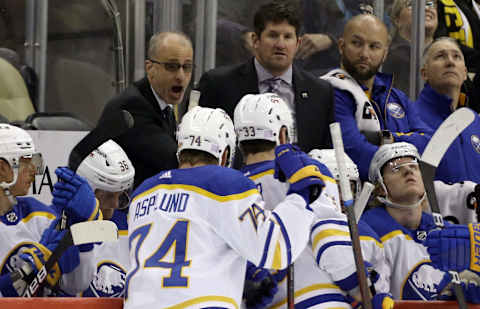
(398, 59)
(277, 26)
(444, 72)
(151, 144)
(367, 106)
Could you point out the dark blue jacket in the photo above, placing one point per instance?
(462, 160)
(396, 113)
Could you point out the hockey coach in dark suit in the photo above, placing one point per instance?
(151, 144)
(276, 39)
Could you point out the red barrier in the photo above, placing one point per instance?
(117, 303)
(61, 303)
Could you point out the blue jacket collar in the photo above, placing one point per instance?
(439, 102)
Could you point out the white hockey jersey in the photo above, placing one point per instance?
(314, 285)
(191, 232)
(452, 201)
(111, 260)
(412, 275)
(22, 228)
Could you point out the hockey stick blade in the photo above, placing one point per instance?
(446, 133)
(94, 231)
(362, 200)
(194, 99)
(78, 234)
(115, 124)
(347, 197)
(436, 148)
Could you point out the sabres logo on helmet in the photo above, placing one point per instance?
(475, 140)
(395, 110)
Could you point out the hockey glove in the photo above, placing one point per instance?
(382, 301)
(73, 194)
(260, 287)
(453, 247)
(301, 171)
(36, 257)
(51, 237)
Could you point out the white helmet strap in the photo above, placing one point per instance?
(389, 203)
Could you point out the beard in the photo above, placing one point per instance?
(359, 76)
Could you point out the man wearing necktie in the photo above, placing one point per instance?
(275, 42)
(151, 144)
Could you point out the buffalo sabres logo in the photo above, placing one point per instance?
(475, 140)
(108, 282)
(395, 110)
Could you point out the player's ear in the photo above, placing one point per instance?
(225, 156)
(283, 136)
(6, 173)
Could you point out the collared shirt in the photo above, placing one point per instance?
(161, 102)
(284, 89)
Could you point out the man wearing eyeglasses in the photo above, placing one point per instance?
(151, 144)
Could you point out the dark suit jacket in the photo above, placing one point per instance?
(225, 86)
(150, 144)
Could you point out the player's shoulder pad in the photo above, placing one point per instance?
(213, 179)
(120, 219)
(255, 170)
(381, 222)
(29, 206)
(365, 230)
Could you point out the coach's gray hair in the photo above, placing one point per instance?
(429, 46)
(157, 39)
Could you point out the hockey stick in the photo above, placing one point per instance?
(78, 234)
(336, 133)
(290, 287)
(362, 200)
(115, 124)
(194, 99)
(441, 140)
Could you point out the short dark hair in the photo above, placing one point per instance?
(193, 156)
(278, 11)
(254, 146)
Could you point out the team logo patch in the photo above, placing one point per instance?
(109, 281)
(395, 110)
(475, 140)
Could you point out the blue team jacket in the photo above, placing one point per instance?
(462, 160)
(396, 113)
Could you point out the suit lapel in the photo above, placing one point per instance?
(303, 108)
(249, 78)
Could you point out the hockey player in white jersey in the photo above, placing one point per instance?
(402, 225)
(331, 242)
(262, 122)
(110, 175)
(192, 230)
(28, 234)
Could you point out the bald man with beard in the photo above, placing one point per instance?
(370, 110)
